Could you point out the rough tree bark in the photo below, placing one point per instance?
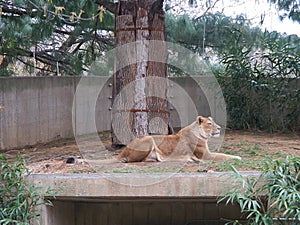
(140, 101)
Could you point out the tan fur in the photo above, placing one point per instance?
(190, 143)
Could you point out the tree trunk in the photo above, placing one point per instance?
(140, 77)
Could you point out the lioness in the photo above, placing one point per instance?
(190, 143)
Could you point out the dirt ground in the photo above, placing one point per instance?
(255, 148)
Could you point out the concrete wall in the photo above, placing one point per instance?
(35, 110)
(39, 109)
(97, 199)
(130, 212)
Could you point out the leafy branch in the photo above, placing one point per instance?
(19, 200)
(272, 197)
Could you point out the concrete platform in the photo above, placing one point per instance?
(179, 185)
(97, 199)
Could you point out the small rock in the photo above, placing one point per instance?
(71, 160)
(46, 166)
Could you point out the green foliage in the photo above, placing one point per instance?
(202, 36)
(18, 199)
(284, 186)
(288, 8)
(52, 34)
(214, 32)
(260, 87)
(259, 72)
(273, 198)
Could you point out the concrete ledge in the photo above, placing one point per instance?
(122, 186)
(134, 199)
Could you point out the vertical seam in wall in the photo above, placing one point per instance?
(74, 108)
(1, 115)
(49, 106)
(16, 118)
(39, 119)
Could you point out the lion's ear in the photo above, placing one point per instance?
(199, 119)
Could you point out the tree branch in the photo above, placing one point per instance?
(207, 10)
(110, 6)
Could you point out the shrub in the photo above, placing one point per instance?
(261, 88)
(273, 198)
(18, 199)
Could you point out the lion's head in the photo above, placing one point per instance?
(208, 127)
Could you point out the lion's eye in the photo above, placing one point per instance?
(209, 124)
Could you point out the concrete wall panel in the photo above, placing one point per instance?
(36, 110)
(39, 109)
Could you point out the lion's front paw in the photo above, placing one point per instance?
(123, 160)
(159, 158)
(194, 159)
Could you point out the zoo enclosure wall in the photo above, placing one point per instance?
(39, 109)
